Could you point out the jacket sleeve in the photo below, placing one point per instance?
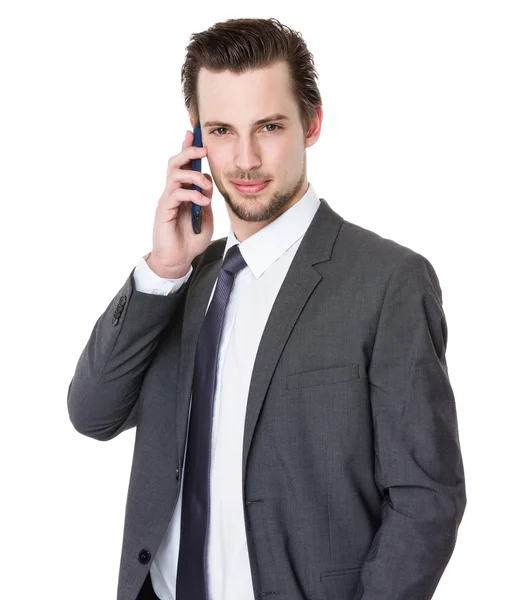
(102, 396)
(418, 463)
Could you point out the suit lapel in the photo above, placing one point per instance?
(300, 281)
(195, 309)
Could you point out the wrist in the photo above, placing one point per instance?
(176, 272)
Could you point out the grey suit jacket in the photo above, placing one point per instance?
(352, 472)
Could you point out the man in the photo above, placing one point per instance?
(296, 431)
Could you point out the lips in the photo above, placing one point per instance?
(250, 188)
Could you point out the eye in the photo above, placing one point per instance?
(273, 125)
(219, 129)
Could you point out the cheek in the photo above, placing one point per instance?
(214, 162)
(281, 154)
(293, 150)
(219, 159)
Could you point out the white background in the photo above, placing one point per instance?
(425, 140)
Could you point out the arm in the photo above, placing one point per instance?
(418, 466)
(102, 396)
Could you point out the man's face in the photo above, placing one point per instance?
(242, 150)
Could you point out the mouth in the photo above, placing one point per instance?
(250, 188)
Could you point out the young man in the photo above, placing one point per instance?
(296, 431)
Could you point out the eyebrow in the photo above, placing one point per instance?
(276, 117)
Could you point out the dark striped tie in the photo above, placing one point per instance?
(191, 578)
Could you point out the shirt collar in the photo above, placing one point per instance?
(267, 245)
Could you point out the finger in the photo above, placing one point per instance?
(184, 157)
(181, 198)
(186, 178)
(181, 195)
(188, 139)
(208, 191)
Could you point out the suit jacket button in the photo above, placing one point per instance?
(122, 300)
(115, 321)
(177, 473)
(144, 556)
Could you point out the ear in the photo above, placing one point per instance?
(191, 120)
(315, 128)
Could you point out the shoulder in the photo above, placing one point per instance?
(371, 245)
(379, 258)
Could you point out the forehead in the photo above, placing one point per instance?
(245, 97)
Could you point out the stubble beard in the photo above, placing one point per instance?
(254, 209)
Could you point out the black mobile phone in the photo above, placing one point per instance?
(196, 165)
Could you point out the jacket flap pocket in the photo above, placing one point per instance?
(340, 584)
(322, 376)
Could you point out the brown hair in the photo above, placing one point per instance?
(239, 45)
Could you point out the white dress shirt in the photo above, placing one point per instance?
(268, 255)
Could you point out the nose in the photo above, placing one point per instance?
(246, 155)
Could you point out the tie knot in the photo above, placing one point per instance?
(234, 261)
